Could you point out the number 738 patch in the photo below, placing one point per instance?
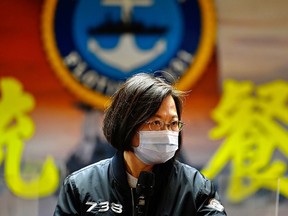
(104, 207)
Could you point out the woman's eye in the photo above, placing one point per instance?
(174, 123)
(157, 123)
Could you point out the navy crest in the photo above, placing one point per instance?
(95, 45)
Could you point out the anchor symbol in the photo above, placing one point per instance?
(126, 55)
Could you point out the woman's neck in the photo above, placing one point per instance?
(134, 166)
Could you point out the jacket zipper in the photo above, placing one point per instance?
(133, 204)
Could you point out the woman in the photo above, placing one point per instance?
(144, 124)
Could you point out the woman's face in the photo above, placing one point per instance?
(167, 113)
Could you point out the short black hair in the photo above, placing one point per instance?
(137, 100)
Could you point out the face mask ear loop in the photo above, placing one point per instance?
(138, 133)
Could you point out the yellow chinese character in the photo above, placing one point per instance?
(252, 120)
(16, 127)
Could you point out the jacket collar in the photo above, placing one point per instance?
(119, 179)
(118, 171)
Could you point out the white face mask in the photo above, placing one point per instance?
(156, 147)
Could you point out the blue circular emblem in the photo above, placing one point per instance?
(95, 45)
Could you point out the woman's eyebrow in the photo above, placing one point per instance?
(159, 116)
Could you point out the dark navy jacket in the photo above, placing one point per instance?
(102, 189)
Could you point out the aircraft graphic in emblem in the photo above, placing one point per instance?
(127, 29)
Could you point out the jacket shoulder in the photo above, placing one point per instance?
(196, 179)
(202, 188)
(95, 170)
(187, 171)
